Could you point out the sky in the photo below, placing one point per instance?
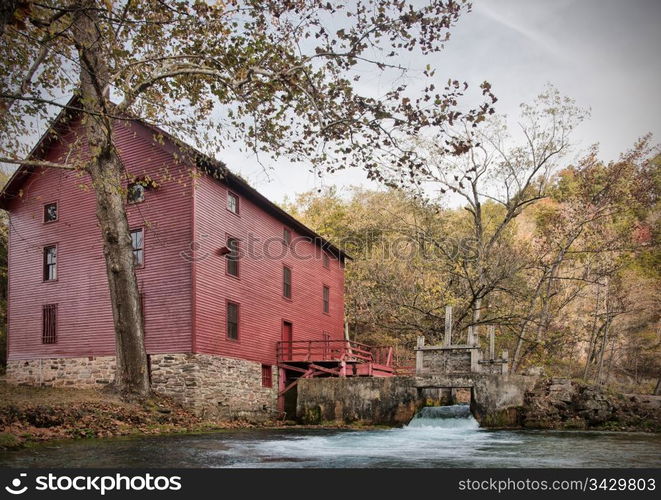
(602, 53)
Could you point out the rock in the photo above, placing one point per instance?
(646, 400)
(560, 403)
(534, 371)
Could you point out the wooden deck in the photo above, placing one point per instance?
(332, 358)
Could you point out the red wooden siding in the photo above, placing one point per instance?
(84, 317)
(259, 287)
(183, 282)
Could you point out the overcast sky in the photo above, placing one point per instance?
(603, 53)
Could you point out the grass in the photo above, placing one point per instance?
(17, 395)
(9, 441)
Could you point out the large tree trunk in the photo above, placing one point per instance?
(105, 169)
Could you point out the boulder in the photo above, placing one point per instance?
(560, 403)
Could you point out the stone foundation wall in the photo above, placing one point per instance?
(214, 386)
(211, 386)
(85, 372)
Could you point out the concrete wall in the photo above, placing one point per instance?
(369, 400)
(496, 400)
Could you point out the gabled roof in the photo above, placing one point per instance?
(13, 185)
(217, 169)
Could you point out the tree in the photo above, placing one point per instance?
(279, 76)
(577, 274)
(496, 179)
(582, 248)
(4, 248)
(396, 289)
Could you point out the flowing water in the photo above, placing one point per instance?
(437, 437)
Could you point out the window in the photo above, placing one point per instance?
(326, 260)
(50, 212)
(138, 244)
(326, 299)
(136, 192)
(50, 263)
(267, 376)
(232, 203)
(233, 321)
(49, 324)
(286, 236)
(232, 257)
(286, 282)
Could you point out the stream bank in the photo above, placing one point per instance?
(36, 414)
(561, 403)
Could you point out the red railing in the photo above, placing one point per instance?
(383, 355)
(332, 350)
(404, 361)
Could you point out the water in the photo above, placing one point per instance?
(436, 437)
(444, 417)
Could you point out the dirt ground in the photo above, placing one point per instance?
(34, 414)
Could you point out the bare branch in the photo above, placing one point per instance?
(37, 163)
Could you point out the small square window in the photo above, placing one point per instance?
(232, 321)
(267, 376)
(50, 263)
(138, 244)
(50, 212)
(286, 236)
(136, 192)
(232, 203)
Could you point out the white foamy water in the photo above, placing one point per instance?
(448, 435)
(444, 417)
(436, 437)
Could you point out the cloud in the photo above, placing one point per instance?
(524, 28)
